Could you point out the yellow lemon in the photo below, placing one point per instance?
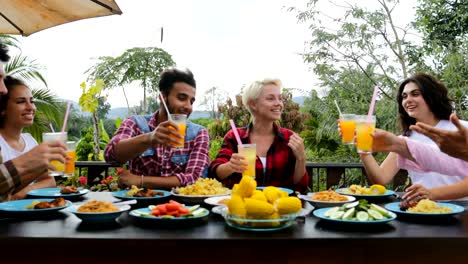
(377, 189)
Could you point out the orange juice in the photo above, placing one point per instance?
(181, 121)
(364, 139)
(347, 131)
(249, 151)
(182, 128)
(70, 165)
(55, 136)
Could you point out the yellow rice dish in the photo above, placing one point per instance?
(203, 186)
(428, 206)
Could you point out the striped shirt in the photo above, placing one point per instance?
(280, 161)
(186, 164)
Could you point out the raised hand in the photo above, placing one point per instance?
(296, 143)
(38, 159)
(454, 143)
(237, 163)
(166, 133)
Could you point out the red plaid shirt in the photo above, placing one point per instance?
(280, 161)
(186, 164)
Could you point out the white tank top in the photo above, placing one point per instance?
(9, 153)
(263, 160)
(434, 179)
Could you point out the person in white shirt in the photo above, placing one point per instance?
(421, 98)
(17, 110)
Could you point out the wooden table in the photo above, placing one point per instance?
(65, 239)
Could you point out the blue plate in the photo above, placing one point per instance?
(365, 196)
(289, 191)
(19, 207)
(395, 207)
(98, 217)
(55, 192)
(174, 221)
(122, 195)
(320, 213)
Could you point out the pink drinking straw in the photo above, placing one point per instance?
(236, 134)
(65, 119)
(372, 104)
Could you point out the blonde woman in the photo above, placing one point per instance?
(280, 157)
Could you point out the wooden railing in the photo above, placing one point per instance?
(321, 175)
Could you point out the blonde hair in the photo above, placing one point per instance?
(254, 89)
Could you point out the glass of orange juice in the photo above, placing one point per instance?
(55, 136)
(364, 128)
(71, 157)
(181, 121)
(249, 152)
(347, 126)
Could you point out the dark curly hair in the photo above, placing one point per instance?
(10, 83)
(435, 94)
(173, 75)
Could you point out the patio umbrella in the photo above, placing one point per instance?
(24, 17)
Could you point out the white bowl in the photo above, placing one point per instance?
(321, 204)
(99, 217)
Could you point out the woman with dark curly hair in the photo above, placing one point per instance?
(421, 98)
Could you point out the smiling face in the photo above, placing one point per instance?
(413, 102)
(180, 98)
(269, 104)
(20, 108)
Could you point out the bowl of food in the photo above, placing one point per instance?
(196, 193)
(276, 222)
(98, 211)
(326, 199)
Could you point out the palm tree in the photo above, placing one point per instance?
(49, 108)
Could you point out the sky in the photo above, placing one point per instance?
(226, 44)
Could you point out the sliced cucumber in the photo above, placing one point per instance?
(193, 208)
(381, 210)
(331, 211)
(375, 214)
(349, 214)
(337, 215)
(362, 216)
(351, 205)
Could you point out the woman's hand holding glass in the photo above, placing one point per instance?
(237, 163)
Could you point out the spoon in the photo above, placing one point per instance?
(125, 202)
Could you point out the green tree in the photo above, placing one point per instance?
(89, 102)
(49, 108)
(444, 50)
(211, 99)
(143, 65)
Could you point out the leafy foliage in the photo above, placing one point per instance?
(143, 65)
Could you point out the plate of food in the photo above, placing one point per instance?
(362, 192)
(98, 211)
(358, 212)
(140, 194)
(218, 200)
(424, 207)
(203, 188)
(326, 199)
(65, 192)
(171, 214)
(34, 206)
(289, 191)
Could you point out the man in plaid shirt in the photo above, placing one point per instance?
(146, 143)
(19, 172)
